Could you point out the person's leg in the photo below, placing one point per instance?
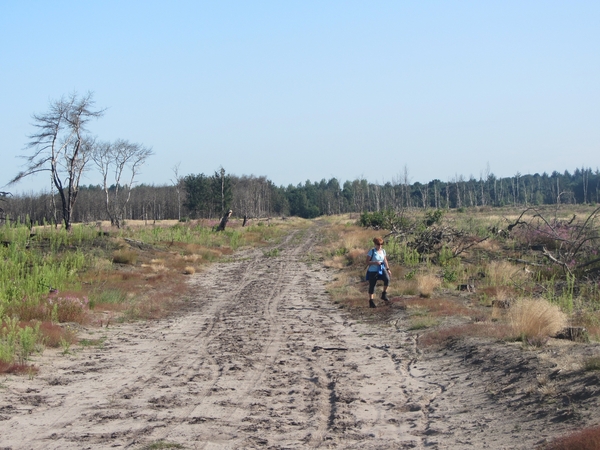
(386, 282)
(372, 282)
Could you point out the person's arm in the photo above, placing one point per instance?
(370, 261)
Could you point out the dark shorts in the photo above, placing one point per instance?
(374, 276)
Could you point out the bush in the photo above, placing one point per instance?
(533, 319)
(67, 308)
(372, 220)
(387, 219)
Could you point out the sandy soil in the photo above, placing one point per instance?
(260, 358)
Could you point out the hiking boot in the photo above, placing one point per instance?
(384, 297)
(372, 304)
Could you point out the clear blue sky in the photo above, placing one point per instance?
(297, 90)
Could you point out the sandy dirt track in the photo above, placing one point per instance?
(260, 358)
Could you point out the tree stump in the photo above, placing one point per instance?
(224, 221)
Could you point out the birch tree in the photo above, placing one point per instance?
(61, 147)
(123, 160)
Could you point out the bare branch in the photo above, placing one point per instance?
(549, 255)
(59, 145)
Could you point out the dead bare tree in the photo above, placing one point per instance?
(61, 147)
(122, 159)
(178, 183)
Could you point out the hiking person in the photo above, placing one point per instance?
(378, 269)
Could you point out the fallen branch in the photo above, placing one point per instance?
(549, 255)
(518, 221)
(457, 252)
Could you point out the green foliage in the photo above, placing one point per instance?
(208, 196)
(387, 219)
(410, 274)
(561, 293)
(450, 275)
(274, 252)
(398, 252)
(16, 343)
(65, 345)
(446, 257)
(420, 323)
(31, 269)
(433, 217)
(107, 296)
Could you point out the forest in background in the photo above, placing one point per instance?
(197, 196)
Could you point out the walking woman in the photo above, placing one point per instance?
(379, 269)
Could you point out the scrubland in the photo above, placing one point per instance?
(512, 278)
(506, 276)
(52, 280)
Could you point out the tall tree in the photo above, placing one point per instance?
(221, 193)
(61, 147)
(197, 190)
(122, 159)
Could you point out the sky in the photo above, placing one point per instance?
(298, 90)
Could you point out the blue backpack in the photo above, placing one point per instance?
(381, 267)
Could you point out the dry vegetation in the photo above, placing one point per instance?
(480, 281)
(97, 276)
(479, 284)
(481, 268)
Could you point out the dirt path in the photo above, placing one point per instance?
(260, 359)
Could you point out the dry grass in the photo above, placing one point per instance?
(341, 289)
(438, 307)
(356, 302)
(189, 270)
(15, 368)
(356, 256)
(489, 245)
(193, 258)
(337, 262)
(405, 287)
(588, 439)
(125, 256)
(591, 363)
(427, 283)
(535, 318)
(477, 329)
(503, 273)
(53, 334)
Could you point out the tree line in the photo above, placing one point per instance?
(197, 196)
(62, 146)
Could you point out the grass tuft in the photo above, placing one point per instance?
(124, 257)
(427, 283)
(592, 364)
(533, 319)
